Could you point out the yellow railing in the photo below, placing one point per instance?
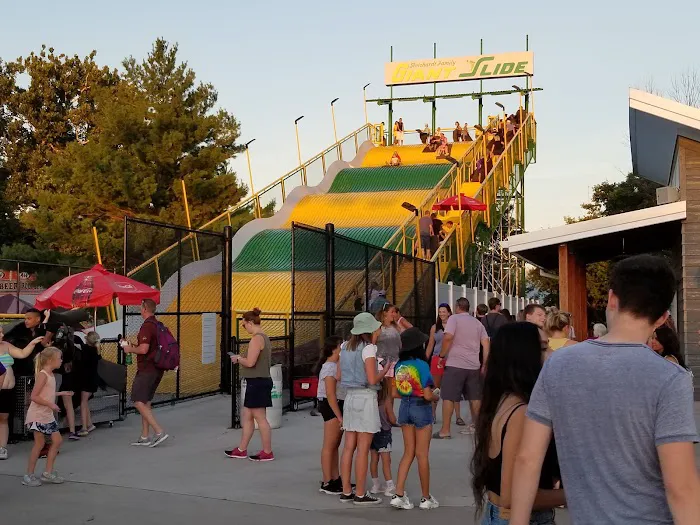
(310, 173)
(452, 249)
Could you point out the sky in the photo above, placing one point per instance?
(273, 61)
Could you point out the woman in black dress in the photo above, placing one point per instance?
(87, 379)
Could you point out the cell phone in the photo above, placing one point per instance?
(436, 392)
(230, 354)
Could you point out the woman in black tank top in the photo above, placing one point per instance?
(513, 365)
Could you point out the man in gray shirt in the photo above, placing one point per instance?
(622, 416)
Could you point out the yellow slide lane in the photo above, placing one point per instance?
(412, 155)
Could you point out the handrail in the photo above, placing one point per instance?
(255, 198)
(502, 159)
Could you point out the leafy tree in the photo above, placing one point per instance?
(40, 119)
(545, 289)
(144, 133)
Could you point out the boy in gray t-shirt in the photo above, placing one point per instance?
(622, 416)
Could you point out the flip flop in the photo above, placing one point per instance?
(437, 435)
(460, 422)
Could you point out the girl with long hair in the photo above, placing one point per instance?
(330, 405)
(413, 384)
(359, 376)
(512, 368)
(388, 337)
(432, 353)
(664, 341)
(41, 417)
(255, 369)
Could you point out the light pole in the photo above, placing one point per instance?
(296, 129)
(364, 98)
(410, 207)
(250, 174)
(520, 95)
(335, 132)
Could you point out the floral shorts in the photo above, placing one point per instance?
(44, 428)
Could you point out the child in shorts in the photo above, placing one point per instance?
(381, 443)
(41, 419)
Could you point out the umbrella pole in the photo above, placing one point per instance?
(94, 320)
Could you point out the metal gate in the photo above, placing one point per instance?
(193, 272)
(332, 279)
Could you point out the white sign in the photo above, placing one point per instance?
(503, 65)
(209, 338)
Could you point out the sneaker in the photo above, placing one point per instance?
(142, 442)
(3, 453)
(82, 433)
(330, 488)
(401, 502)
(347, 498)
(390, 489)
(367, 500)
(376, 488)
(429, 503)
(236, 453)
(30, 480)
(339, 483)
(91, 428)
(52, 477)
(73, 436)
(158, 439)
(262, 456)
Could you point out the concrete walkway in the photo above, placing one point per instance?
(188, 479)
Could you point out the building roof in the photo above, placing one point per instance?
(655, 125)
(639, 231)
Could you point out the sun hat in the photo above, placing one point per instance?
(412, 338)
(364, 323)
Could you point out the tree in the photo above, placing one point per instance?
(545, 289)
(145, 132)
(42, 118)
(685, 87)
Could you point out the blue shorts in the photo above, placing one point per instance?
(415, 411)
(381, 441)
(492, 516)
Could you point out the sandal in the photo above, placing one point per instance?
(460, 422)
(437, 435)
(469, 430)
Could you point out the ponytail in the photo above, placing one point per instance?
(43, 357)
(329, 347)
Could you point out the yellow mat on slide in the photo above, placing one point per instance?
(412, 155)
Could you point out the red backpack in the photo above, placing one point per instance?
(167, 355)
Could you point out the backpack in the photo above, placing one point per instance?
(167, 355)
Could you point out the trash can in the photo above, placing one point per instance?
(274, 413)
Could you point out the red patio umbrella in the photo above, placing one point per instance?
(93, 288)
(464, 203)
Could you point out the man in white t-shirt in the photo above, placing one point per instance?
(460, 354)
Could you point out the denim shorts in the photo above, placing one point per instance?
(415, 411)
(381, 441)
(492, 516)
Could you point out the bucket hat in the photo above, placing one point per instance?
(412, 338)
(364, 323)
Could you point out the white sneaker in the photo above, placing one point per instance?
(3, 453)
(376, 488)
(401, 502)
(430, 503)
(390, 489)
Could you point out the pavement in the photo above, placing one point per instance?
(188, 479)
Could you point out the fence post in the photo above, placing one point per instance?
(235, 418)
(179, 310)
(475, 297)
(226, 298)
(330, 279)
(451, 295)
(464, 290)
(290, 371)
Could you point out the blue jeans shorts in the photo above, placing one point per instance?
(415, 411)
(492, 516)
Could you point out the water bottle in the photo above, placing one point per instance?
(128, 360)
(123, 342)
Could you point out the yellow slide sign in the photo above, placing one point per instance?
(427, 71)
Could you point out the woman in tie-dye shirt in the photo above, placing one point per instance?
(413, 384)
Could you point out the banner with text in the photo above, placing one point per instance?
(503, 65)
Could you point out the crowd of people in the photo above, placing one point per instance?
(603, 426)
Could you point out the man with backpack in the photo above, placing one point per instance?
(148, 374)
(493, 320)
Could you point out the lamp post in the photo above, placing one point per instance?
(520, 95)
(296, 129)
(410, 207)
(250, 174)
(335, 132)
(364, 99)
